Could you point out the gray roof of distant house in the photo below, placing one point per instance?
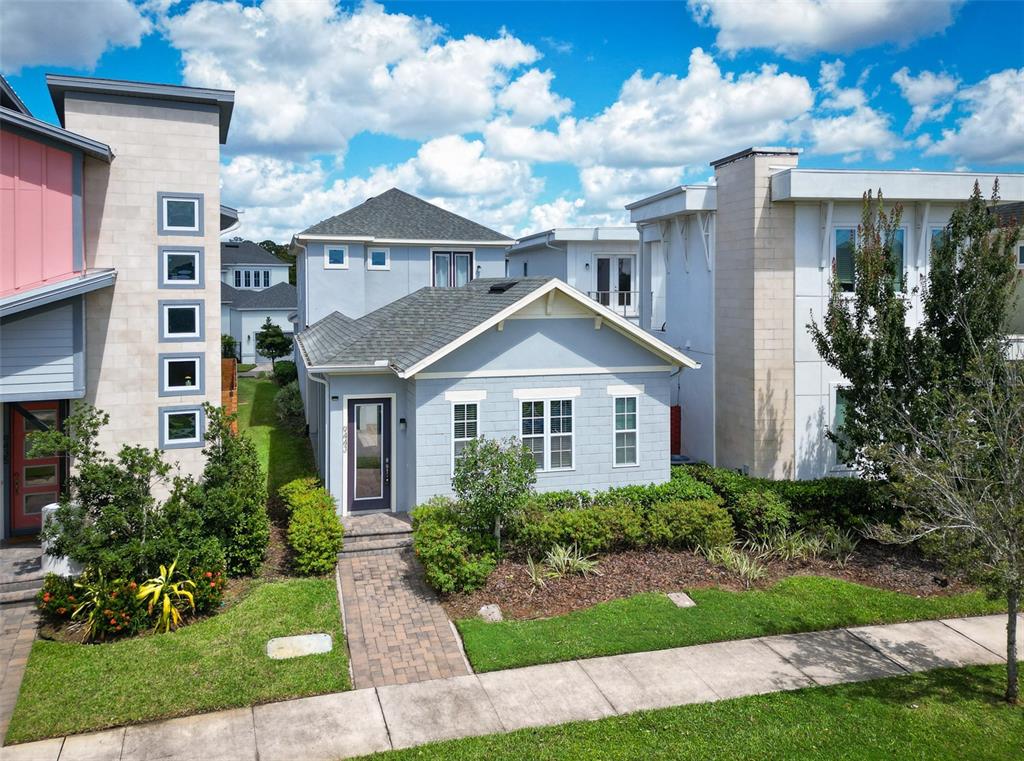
(397, 215)
(411, 328)
(280, 296)
(237, 253)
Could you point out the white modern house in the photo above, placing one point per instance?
(599, 261)
(744, 265)
(254, 288)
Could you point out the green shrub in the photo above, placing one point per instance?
(108, 607)
(761, 513)
(689, 524)
(208, 575)
(492, 480)
(316, 536)
(453, 559)
(233, 499)
(57, 599)
(302, 491)
(285, 372)
(289, 408)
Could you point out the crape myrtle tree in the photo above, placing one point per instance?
(895, 372)
(271, 342)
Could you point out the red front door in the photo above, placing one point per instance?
(35, 481)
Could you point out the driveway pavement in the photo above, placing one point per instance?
(365, 721)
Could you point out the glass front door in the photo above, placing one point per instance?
(35, 481)
(369, 454)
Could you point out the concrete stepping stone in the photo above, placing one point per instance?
(281, 648)
(681, 599)
(321, 728)
(833, 657)
(537, 696)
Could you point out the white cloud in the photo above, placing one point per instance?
(281, 197)
(531, 101)
(846, 124)
(800, 27)
(667, 120)
(309, 76)
(71, 33)
(929, 95)
(992, 131)
(611, 188)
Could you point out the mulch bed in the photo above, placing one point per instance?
(624, 574)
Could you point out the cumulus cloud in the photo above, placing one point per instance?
(282, 197)
(798, 28)
(309, 76)
(71, 33)
(929, 95)
(530, 100)
(667, 120)
(846, 124)
(991, 131)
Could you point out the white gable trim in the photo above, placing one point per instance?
(623, 325)
(565, 392)
(465, 395)
(539, 372)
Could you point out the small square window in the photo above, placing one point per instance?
(180, 213)
(336, 258)
(379, 259)
(181, 374)
(181, 427)
(181, 321)
(180, 267)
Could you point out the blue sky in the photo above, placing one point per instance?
(533, 114)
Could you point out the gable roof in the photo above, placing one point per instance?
(397, 215)
(9, 98)
(280, 296)
(235, 253)
(413, 332)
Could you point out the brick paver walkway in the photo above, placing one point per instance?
(397, 631)
(17, 630)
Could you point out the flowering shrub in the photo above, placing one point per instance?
(209, 589)
(108, 608)
(57, 599)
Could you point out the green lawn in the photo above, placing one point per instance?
(285, 455)
(244, 367)
(947, 714)
(216, 663)
(653, 622)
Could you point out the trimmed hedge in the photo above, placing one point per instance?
(285, 372)
(454, 560)
(315, 533)
(841, 502)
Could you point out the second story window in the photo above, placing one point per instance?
(180, 267)
(238, 278)
(180, 213)
(378, 259)
(248, 279)
(335, 257)
(451, 269)
(1020, 257)
(845, 244)
(266, 278)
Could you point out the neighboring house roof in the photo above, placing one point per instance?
(9, 98)
(237, 253)
(280, 296)
(22, 121)
(228, 217)
(1010, 213)
(61, 85)
(397, 215)
(413, 332)
(556, 235)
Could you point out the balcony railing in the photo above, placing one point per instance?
(625, 303)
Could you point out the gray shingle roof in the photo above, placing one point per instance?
(236, 253)
(280, 296)
(396, 214)
(412, 328)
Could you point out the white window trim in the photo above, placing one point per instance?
(166, 321)
(466, 402)
(196, 387)
(247, 279)
(834, 255)
(633, 309)
(166, 253)
(167, 441)
(327, 258)
(546, 411)
(369, 258)
(168, 228)
(905, 274)
(543, 394)
(238, 279)
(1020, 256)
(465, 395)
(834, 466)
(635, 431)
(451, 264)
(626, 390)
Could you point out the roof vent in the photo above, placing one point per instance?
(230, 245)
(502, 286)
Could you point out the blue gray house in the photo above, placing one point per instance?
(385, 248)
(393, 396)
(254, 288)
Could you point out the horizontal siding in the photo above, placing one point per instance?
(37, 353)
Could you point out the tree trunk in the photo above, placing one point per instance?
(1013, 603)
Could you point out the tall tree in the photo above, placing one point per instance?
(894, 372)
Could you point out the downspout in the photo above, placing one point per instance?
(305, 282)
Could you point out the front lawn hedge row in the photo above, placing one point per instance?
(818, 503)
(315, 533)
(454, 559)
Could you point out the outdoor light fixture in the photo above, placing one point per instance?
(586, 265)
(401, 423)
(479, 270)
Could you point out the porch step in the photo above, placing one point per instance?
(374, 543)
(20, 591)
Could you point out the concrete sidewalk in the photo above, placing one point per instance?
(364, 721)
